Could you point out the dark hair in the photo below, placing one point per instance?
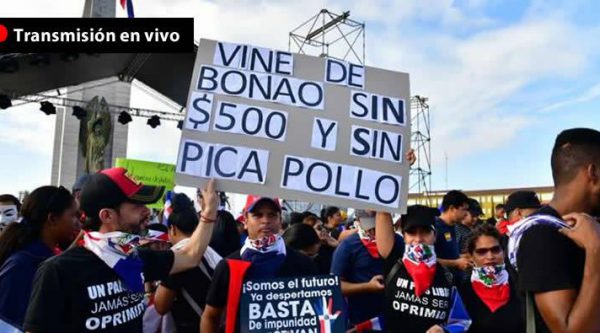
(296, 218)
(328, 212)
(157, 227)
(300, 236)
(455, 199)
(225, 238)
(309, 215)
(499, 206)
(482, 230)
(11, 198)
(184, 215)
(574, 149)
(42, 202)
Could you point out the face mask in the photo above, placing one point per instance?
(420, 263)
(490, 283)
(8, 214)
(490, 275)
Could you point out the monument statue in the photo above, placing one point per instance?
(94, 134)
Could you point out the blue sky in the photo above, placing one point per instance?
(503, 78)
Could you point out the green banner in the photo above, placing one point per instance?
(150, 173)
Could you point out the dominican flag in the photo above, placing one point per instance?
(156, 235)
(167, 209)
(326, 314)
(129, 4)
(373, 324)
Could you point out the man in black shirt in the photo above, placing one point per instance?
(419, 292)
(99, 287)
(184, 294)
(264, 255)
(564, 275)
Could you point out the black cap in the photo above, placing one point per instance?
(110, 187)
(522, 199)
(419, 216)
(475, 207)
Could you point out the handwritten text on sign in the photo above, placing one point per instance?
(298, 126)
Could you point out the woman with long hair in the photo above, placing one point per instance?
(47, 220)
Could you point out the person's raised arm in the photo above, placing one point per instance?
(191, 254)
(566, 311)
(384, 233)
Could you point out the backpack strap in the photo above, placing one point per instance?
(188, 298)
(237, 270)
(529, 313)
(393, 271)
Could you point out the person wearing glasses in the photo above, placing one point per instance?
(489, 296)
(47, 220)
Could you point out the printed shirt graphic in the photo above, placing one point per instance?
(77, 292)
(404, 311)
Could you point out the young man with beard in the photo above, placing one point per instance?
(561, 276)
(264, 255)
(100, 286)
(419, 292)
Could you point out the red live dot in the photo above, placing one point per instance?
(3, 33)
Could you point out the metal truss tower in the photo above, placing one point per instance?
(330, 35)
(420, 172)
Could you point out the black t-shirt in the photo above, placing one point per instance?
(404, 311)
(295, 264)
(508, 318)
(196, 283)
(548, 260)
(78, 292)
(323, 260)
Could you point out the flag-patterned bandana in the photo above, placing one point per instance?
(490, 283)
(115, 249)
(420, 263)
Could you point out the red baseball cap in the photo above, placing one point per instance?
(253, 200)
(110, 187)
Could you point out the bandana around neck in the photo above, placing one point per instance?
(490, 283)
(517, 230)
(369, 243)
(266, 244)
(420, 262)
(114, 249)
(266, 255)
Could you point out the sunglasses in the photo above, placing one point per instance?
(483, 251)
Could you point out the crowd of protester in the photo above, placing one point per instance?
(531, 267)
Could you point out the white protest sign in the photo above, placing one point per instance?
(297, 127)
